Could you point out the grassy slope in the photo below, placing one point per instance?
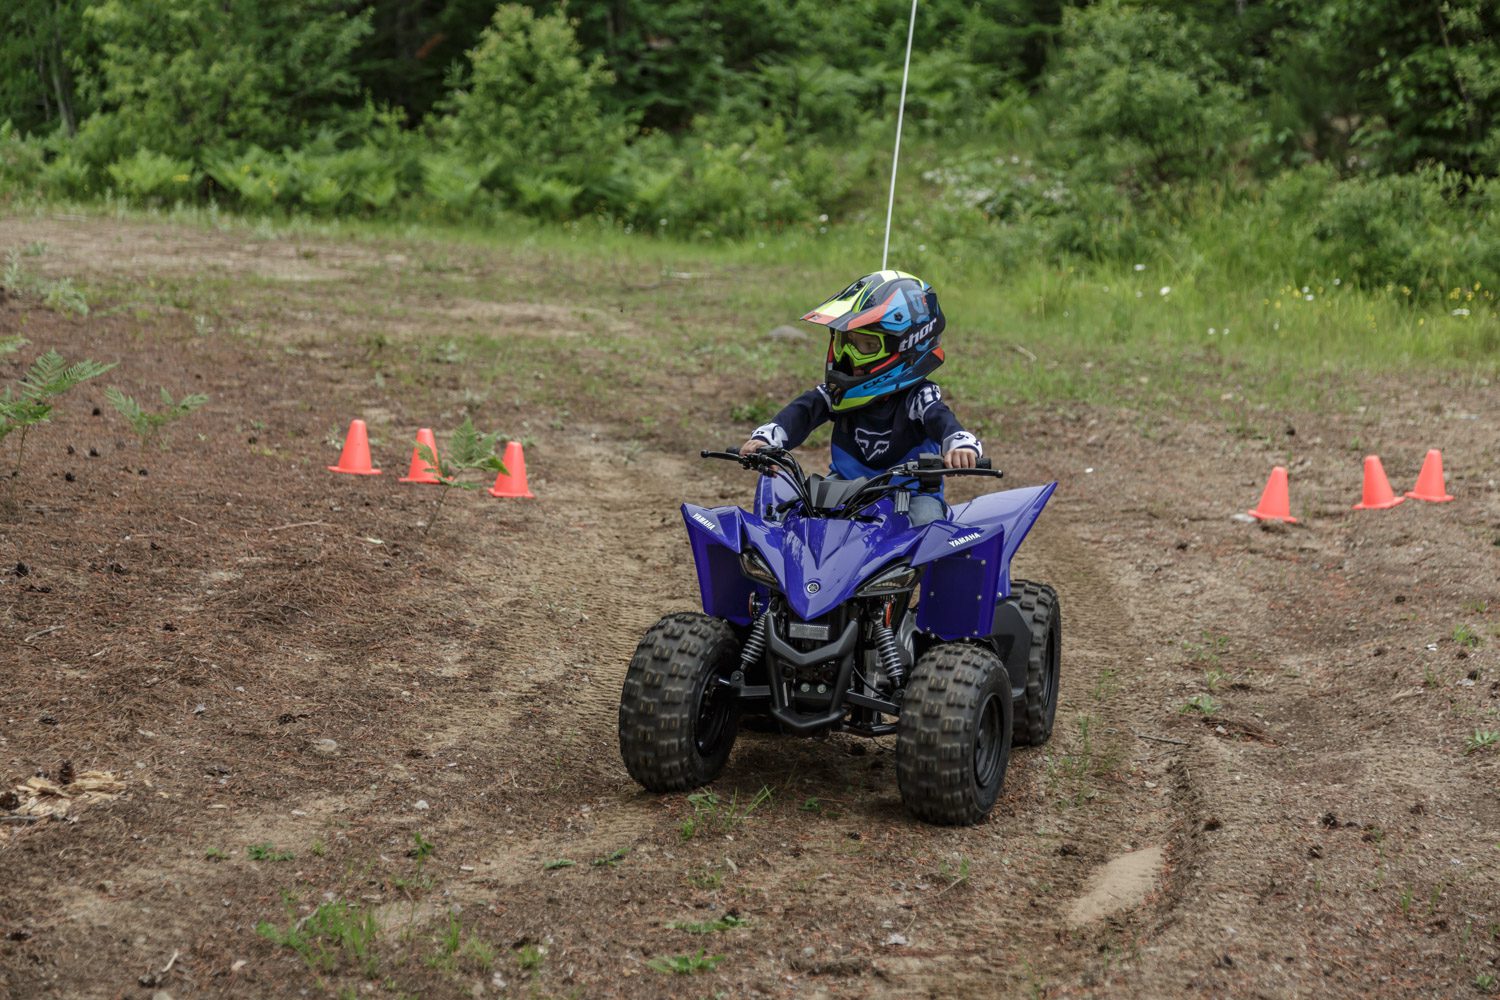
(1169, 333)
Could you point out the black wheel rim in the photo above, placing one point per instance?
(714, 706)
(1049, 672)
(989, 749)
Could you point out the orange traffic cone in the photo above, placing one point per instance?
(1275, 503)
(422, 470)
(355, 458)
(512, 482)
(1430, 486)
(1377, 493)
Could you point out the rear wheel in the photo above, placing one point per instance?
(677, 722)
(953, 737)
(1034, 716)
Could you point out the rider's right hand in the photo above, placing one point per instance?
(752, 446)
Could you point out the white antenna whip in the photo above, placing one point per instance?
(890, 206)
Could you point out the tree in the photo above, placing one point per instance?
(41, 44)
(181, 76)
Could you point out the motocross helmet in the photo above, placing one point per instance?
(885, 333)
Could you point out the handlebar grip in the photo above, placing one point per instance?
(984, 463)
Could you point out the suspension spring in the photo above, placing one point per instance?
(889, 652)
(755, 643)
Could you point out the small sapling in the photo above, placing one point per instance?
(147, 424)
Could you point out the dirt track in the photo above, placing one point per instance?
(1322, 831)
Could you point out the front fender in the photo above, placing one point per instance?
(716, 536)
(968, 560)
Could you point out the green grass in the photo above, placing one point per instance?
(1202, 704)
(267, 852)
(727, 922)
(335, 935)
(1029, 334)
(1482, 739)
(686, 965)
(712, 813)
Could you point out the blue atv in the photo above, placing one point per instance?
(826, 610)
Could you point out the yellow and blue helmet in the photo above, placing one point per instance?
(885, 334)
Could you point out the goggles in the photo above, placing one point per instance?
(858, 347)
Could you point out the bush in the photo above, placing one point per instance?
(180, 76)
(1139, 100)
(149, 176)
(21, 159)
(1425, 230)
(530, 101)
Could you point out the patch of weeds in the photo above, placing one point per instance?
(812, 805)
(421, 849)
(455, 949)
(711, 813)
(685, 965)
(1430, 677)
(611, 860)
(755, 412)
(1106, 685)
(529, 957)
(1481, 739)
(1478, 607)
(215, 854)
(1485, 982)
(552, 866)
(1214, 678)
(318, 849)
(709, 878)
(1404, 901)
(1466, 637)
(267, 852)
(955, 874)
(1204, 705)
(59, 295)
(1209, 650)
(728, 921)
(332, 936)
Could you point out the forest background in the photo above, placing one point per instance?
(1243, 152)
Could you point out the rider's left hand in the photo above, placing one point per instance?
(961, 458)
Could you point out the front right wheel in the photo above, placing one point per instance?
(678, 720)
(953, 737)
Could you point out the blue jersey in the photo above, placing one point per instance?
(875, 437)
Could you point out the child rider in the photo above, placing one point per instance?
(885, 332)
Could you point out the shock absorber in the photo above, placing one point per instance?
(755, 642)
(889, 652)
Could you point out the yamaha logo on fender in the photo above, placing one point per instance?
(705, 521)
(964, 539)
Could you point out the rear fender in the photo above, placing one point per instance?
(715, 535)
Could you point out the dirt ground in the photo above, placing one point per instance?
(313, 693)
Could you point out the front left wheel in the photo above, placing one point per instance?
(953, 737)
(677, 721)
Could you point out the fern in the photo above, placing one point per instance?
(469, 450)
(29, 401)
(147, 423)
(10, 345)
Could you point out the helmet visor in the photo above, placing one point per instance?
(858, 347)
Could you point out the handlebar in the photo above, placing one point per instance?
(925, 469)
